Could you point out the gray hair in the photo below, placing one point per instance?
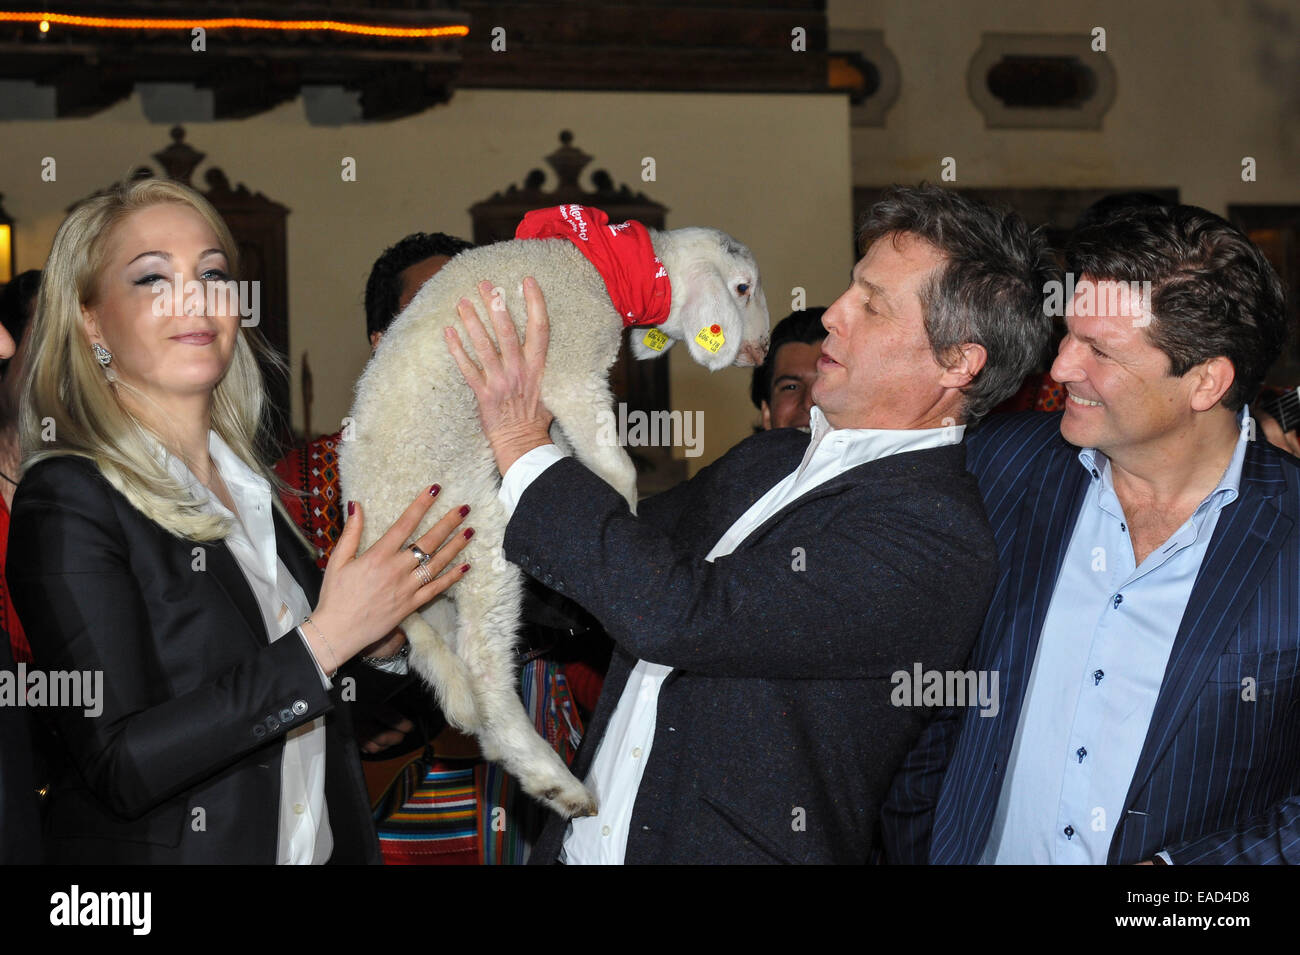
(988, 291)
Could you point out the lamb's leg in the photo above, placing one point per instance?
(439, 665)
(583, 411)
(488, 609)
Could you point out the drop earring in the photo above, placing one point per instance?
(104, 357)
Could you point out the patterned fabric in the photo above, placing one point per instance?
(429, 815)
(468, 812)
(1037, 393)
(314, 469)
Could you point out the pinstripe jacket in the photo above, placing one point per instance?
(1218, 778)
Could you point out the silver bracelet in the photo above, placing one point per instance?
(327, 645)
(401, 654)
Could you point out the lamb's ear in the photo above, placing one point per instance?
(648, 342)
(710, 302)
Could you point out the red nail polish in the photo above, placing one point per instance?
(469, 532)
(352, 506)
(464, 568)
(464, 510)
(434, 489)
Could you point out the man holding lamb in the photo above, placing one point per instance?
(761, 609)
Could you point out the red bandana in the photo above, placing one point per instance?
(623, 255)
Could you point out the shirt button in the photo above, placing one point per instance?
(636, 752)
(1123, 528)
(1069, 832)
(1097, 676)
(299, 808)
(604, 830)
(1081, 752)
(1119, 599)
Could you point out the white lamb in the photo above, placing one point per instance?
(415, 421)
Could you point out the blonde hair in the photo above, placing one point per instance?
(67, 405)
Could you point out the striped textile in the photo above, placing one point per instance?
(472, 812)
(429, 816)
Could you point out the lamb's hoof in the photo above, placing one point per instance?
(570, 800)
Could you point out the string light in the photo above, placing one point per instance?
(230, 23)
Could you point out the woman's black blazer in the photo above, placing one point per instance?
(183, 763)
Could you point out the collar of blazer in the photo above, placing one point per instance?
(947, 461)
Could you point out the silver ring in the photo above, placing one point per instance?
(420, 556)
(423, 572)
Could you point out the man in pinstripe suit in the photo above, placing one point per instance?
(1146, 622)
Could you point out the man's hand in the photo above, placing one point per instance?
(508, 386)
(388, 729)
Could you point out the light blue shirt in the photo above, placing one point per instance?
(1097, 672)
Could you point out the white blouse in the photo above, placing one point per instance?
(304, 835)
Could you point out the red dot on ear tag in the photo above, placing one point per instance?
(715, 328)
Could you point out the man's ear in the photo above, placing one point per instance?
(1210, 382)
(767, 416)
(966, 361)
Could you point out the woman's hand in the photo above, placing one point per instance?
(362, 599)
(508, 386)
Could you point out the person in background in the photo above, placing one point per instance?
(313, 467)
(17, 305)
(781, 387)
(19, 819)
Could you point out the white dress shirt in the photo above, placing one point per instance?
(304, 832)
(624, 749)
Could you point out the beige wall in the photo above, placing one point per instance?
(1193, 98)
(773, 170)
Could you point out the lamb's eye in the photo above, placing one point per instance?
(742, 288)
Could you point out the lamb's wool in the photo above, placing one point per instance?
(415, 422)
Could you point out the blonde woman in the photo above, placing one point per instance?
(149, 553)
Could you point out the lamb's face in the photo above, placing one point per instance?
(718, 307)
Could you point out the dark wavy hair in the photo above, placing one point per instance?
(988, 291)
(804, 327)
(1212, 291)
(384, 287)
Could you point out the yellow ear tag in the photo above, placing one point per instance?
(655, 339)
(710, 337)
